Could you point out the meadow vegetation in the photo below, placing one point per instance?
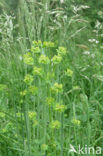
(51, 76)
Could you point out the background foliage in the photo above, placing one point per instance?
(76, 25)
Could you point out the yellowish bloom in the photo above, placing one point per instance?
(28, 59)
(69, 72)
(57, 88)
(37, 43)
(37, 71)
(35, 50)
(33, 89)
(28, 79)
(76, 122)
(62, 51)
(32, 115)
(57, 59)
(23, 93)
(48, 44)
(44, 59)
(60, 108)
(55, 124)
(50, 101)
(19, 115)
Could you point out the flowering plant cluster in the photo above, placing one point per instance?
(44, 86)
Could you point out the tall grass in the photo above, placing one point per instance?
(28, 121)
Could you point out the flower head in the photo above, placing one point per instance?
(28, 59)
(37, 43)
(62, 51)
(28, 79)
(69, 72)
(35, 49)
(33, 89)
(55, 124)
(23, 93)
(60, 108)
(76, 122)
(37, 71)
(32, 115)
(44, 59)
(50, 101)
(57, 59)
(57, 88)
(48, 44)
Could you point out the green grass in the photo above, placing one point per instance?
(38, 117)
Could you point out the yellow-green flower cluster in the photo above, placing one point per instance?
(76, 122)
(48, 44)
(60, 108)
(44, 59)
(57, 88)
(33, 89)
(23, 93)
(37, 71)
(32, 115)
(37, 43)
(62, 51)
(69, 72)
(35, 50)
(18, 115)
(28, 59)
(57, 59)
(28, 79)
(55, 124)
(50, 101)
